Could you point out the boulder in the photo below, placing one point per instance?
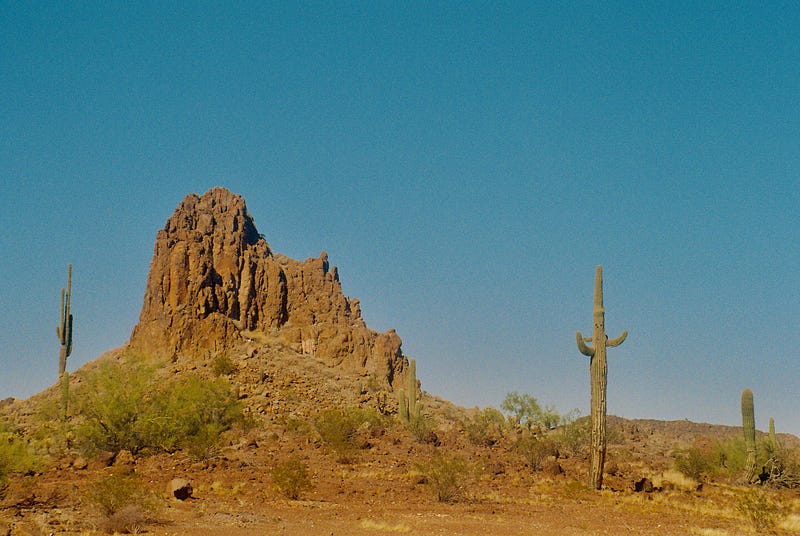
(180, 488)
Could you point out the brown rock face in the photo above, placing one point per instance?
(214, 280)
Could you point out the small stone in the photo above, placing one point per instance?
(104, 458)
(645, 485)
(124, 457)
(180, 488)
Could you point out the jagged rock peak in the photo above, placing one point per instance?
(214, 279)
(217, 212)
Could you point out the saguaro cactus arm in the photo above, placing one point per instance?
(584, 349)
(616, 342)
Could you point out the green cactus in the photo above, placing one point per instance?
(773, 439)
(598, 369)
(64, 395)
(772, 430)
(402, 405)
(408, 404)
(64, 327)
(749, 427)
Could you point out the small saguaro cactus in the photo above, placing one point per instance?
(749, 427)
(64, 327)
(773, 440)
(598, 369)
(409, 408)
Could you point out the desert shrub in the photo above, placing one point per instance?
(535, 449)
(423, 428)
(525, 410)
(759, 509)
(16, 455)
(112, 404)
(696, 463)
(782, 466)
(222, 365)
(347, 430)
(485, 428)
(129, 406)
(730, 455)
(296, 425)
(199, 412)
(575, 434)
(123, 502)
(290, 478)
(448, 475)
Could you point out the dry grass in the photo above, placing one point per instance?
(676, 479)
(381, 526)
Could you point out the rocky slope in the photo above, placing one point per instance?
(214, 283)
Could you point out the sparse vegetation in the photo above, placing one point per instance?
(124, 503)
(574, 434)
(485, 427)
(448, 475)
(347, 430)
(222, 365)
(524, 410)
(291, 478)
(133, 408)
(535, 449)
(760, 510)
(696, 463)
(16, 455)
(424, 429)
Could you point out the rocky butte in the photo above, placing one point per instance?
(214, 281)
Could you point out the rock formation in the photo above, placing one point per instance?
(214, 281)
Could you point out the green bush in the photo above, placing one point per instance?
(485, 428)
(16, 455)
(574, 435)
(291, 478)
(730, 456)
(424, 429)
(347, 430)
(525, 410)
(536, 449)
(129, 406)
(448, 475)
(696, 463)
(222, 365)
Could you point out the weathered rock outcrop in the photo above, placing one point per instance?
(214, 280)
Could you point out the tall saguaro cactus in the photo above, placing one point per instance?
(598, 369)
(749, 427)
(64, 327)
(773, 439)
(409, 409)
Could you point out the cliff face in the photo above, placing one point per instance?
(214, 280)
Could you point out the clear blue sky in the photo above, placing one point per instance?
(466, 166)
